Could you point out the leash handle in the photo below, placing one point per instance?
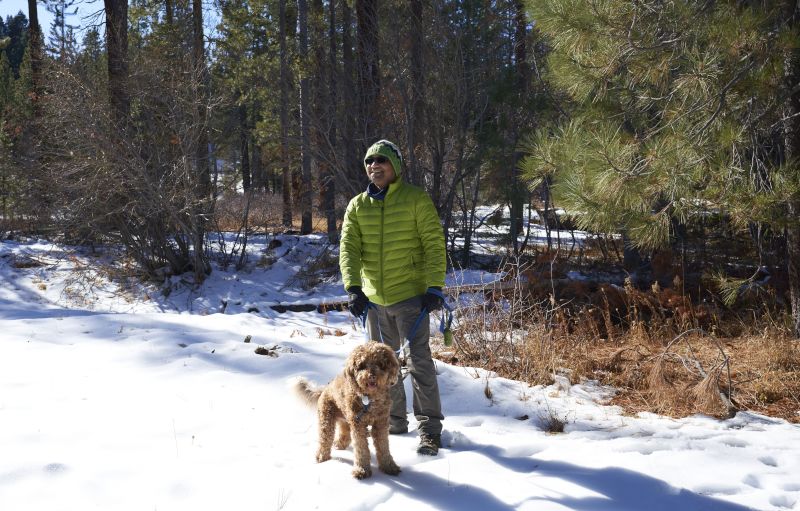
(447, 316)
(444, 324)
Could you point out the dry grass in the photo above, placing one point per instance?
(662, 358)
(265, 214)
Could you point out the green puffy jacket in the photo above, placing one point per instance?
(393, 248)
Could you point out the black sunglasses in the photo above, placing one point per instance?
(376, 159)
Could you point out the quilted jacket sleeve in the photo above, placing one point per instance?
(350, 247)
(430, 232)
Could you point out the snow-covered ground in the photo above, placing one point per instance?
(116, 397)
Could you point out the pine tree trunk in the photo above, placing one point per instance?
(518, 189)
(257, 169)
(202, 160)
(117, 51)
(35, 43)
(305, 142)
(329, 195)
(792, 156)
(199, 57)
(323, 108)
(369, 84)
(284, 118)
(351, 148)
(244, 148)
(414, 129)
(169, 9)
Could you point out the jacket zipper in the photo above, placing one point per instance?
(381, 251)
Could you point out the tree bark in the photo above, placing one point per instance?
(305, 142)
(518, 190)
(792, 157)
(329, 193)
(35, 43)
(324, 115)
(244, 148)
(202, 160)
(284, 119)
(117, 52)
(199, 57)
(260, 181)
(169, 9)
(414, 128)
(369, 85)
(351, 147)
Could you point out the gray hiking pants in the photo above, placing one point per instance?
(391, 324)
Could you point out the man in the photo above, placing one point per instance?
(393, 255)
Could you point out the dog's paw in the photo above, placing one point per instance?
(362, 472)
(342, 443)
(390, 468)
(323, 456)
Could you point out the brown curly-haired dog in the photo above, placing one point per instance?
(356, 399)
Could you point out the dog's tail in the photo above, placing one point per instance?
(307, 391)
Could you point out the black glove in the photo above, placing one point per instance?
(432, 301)
(357, 301)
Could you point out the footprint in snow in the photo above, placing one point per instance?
(55, 468)
(716, 489)
(768, 460)
(457, 440)
(735, 442)
(751, 480)
(784, 501)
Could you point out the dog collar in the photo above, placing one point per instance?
(365, 402)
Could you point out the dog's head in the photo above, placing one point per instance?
(372, 368)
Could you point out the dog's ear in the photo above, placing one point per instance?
(394, 375)
(352, 363)
(394, 362)
(350, 368)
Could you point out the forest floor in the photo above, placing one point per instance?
(664, 351)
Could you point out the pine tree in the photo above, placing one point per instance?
(17, 32)
(673, 114)
(6, 82)
(91, 59)
(5, 40)
(62, 43)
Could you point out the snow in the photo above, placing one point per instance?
(114, 396)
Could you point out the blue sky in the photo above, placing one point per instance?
(85, 8)
(12, 7)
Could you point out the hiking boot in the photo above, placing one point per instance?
(429, 444)
(396, 429)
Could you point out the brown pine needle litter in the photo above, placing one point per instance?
(657, 362)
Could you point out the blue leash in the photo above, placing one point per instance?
(444, 324)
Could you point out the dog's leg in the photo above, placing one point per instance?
(361, 456)
(327, 424)
(342, 434)
(380, 439)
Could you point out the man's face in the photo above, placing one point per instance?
(379, 170)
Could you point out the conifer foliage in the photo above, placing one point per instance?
(675, 110)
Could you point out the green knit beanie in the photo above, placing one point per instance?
(388, 149)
